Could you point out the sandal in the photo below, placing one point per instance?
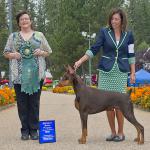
(119, 138)
(110, 138)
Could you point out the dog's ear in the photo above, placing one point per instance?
(71, 70)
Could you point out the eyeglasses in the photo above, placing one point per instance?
(22, 19)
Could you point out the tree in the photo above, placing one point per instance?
(21, 5)
(3, 35)
(139, 14)
(62, 22)
(66, 20)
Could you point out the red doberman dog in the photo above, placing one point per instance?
(91, 100)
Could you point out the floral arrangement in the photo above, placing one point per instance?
(141, 96)
(44, 88)
(47, 86)
(7, 96)
(64, 89)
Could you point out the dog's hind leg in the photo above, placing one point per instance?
(84, 117)
(138, 135)
(139, 127)
(128, 113)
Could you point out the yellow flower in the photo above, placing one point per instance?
(44, 88)
(6, 96)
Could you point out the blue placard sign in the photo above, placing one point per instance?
(47, 132)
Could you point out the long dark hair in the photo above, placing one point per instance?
(122, 16)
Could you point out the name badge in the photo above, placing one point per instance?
(47, 132)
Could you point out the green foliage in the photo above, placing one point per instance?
(139, 14)
(67, 19)
(20, 5)
(142, 46)
(3, 36)
(62, 22)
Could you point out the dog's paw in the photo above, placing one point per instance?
(141, 142)
(82, 141)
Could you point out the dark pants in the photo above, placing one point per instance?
(28, 109)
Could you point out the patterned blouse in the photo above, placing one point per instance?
(15, 41)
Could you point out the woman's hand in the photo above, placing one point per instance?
(38, 52)
(132, 78)
(77, 64)
(15, 55)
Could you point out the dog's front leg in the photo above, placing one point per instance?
(84, 117)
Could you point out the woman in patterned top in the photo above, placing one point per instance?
(118, 59)
(26, 51)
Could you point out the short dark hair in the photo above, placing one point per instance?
(122, 16)
(21, 13)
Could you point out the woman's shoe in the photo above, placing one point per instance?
(34, 135)
(119, 138)
(25, 137)
(110, 138)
